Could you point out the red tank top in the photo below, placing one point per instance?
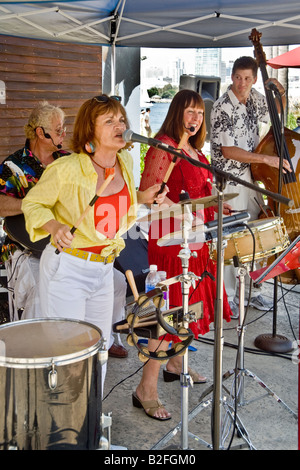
(108, 212)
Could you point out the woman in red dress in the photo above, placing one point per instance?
(183, 127)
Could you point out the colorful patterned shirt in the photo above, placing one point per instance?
(234, 124)
(21, 171)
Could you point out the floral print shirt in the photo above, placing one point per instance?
(234, 124)
(21, 171)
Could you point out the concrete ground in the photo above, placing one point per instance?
(267, 411)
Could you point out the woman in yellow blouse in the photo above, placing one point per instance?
(76, 269)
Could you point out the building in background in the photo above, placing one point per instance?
(209, 62)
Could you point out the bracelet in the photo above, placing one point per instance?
(282, 94)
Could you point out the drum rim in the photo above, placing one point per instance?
(253, 224)
(268, 221)
(48, 361)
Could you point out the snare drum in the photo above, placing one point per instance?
(50, 385)
(270, 237)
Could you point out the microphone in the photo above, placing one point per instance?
(48, 136)
(130, 136)
(192, 129)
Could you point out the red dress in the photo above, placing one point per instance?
(194, 180)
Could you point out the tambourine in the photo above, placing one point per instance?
(147, 319)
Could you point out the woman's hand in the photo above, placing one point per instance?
(61, 234)
(227, 208)
(149, 196)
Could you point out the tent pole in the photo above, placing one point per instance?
(113, 69)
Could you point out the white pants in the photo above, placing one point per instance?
(245, 202)
(23, 275)
(25, 285)
(78, 289)
(120, 290)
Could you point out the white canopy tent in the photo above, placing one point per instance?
(155, 24)
(172, 23)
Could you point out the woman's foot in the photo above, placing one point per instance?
(174, 368)
(150, 403)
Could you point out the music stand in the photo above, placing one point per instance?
(287, 260)
(273, 342)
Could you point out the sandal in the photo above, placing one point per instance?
(171, 376)
(151, 405)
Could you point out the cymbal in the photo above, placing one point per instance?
(207, 201)
(170, 211)
(178, 209)
(195, 235)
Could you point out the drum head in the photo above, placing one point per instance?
(260, 224)
(40, 342)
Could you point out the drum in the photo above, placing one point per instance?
(50, 385)
(270, 237)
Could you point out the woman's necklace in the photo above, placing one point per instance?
(189, 149)
(107, 170)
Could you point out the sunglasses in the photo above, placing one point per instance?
(105, 99)
(58, 132)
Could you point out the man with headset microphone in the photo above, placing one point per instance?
(19, 172)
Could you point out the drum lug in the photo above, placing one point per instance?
(105, 423)
(52, 377)
(103, 356)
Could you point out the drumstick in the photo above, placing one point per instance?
(137, 325)
(151, 317)
(131, 281)
(181, 144)
(92, 202)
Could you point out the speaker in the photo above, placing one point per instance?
(208, 88)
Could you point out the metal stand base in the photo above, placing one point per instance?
(269, 392)
(228, 411)
(273, 343)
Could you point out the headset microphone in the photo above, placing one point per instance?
(191, 129)
(48, 136)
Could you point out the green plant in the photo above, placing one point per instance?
(143, 151)
(291, 121)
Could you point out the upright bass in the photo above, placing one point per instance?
(276, 142)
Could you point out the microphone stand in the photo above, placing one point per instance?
(221, 178)
(218, 325)
(273, 342)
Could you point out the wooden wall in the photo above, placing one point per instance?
(61, 73)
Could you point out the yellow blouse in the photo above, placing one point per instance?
(64, 191)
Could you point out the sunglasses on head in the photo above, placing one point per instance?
(104, 99)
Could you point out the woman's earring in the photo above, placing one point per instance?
(90, 147)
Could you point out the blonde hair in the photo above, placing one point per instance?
(42, 116)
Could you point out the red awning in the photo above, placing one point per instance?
(288, 59)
